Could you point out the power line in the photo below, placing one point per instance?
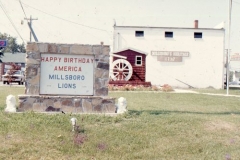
(9, 18)
(29, 24)
(23, 9)
(66, 19)
(10, 29)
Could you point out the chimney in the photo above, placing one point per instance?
(102, 43)
(196, 24)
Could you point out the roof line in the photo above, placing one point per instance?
(168, 27)
(130, 48)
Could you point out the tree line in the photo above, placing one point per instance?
(12, 45)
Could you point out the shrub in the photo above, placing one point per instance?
(155, 88)
(129, 87)
(167, 88)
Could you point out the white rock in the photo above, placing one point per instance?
(11, 104)
(74, 123)
(122, 105)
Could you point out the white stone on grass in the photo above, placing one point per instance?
(11, 104)
(122, 105)
(74, 123)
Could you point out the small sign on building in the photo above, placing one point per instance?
(235, 57)
(170, 56)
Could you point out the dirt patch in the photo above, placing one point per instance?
(220, 125)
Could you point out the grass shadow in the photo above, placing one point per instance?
(159, 112)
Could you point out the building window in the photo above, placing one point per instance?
(197, 34)
(138, 60)
(169, 34)
(139, 34)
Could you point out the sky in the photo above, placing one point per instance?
(91, 21)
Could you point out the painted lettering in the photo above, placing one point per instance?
(56, 76)
(67, 85)
(66, 77)
(77, 60)
(74, 77)
(50, 59)
(51, 76)
(170, 59)
(68, 68)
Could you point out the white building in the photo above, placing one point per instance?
(180, 57)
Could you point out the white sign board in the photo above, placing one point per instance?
(64, 74)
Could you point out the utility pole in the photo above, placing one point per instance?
(229, 33)
(30, 25)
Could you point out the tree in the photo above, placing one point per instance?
(12, 46)
(1, 53)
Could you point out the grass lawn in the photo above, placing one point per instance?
(157, 126)
(232, 91)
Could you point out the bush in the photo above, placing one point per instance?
(167, 88)
(129, 87)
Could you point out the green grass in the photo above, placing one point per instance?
(232, 91)
(157, 126)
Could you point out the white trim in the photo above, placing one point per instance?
(114, 55)
(137, 60)
(148, 27)
(129, 48)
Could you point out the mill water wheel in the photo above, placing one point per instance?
(121, 70)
